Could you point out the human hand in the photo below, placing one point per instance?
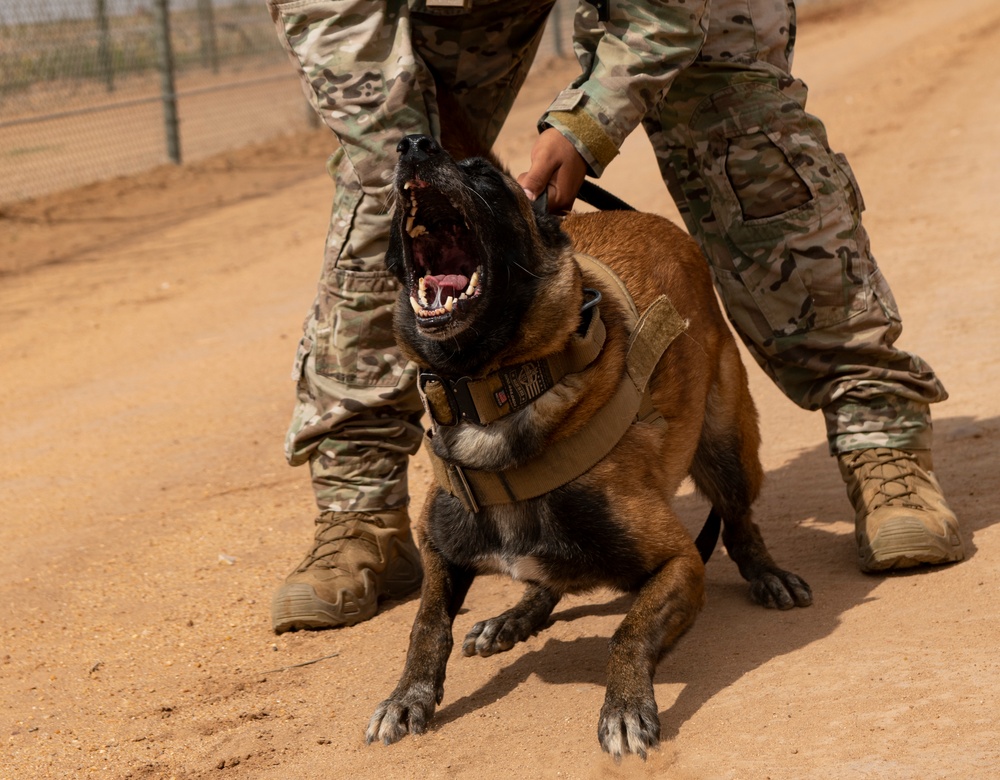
(556, 168)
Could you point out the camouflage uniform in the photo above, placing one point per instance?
(777, 213)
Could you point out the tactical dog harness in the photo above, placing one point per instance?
(489, 398)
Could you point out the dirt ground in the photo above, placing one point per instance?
(147, 329)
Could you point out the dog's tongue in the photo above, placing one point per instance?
(443, 286)
(448, 284)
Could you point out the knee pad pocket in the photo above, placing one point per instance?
(354, 342)
(762, 179)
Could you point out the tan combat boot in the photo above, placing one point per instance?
(356, 558)
(901, 518)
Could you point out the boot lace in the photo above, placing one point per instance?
(893, 472)
(335, 531)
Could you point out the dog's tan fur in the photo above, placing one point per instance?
(614, 525)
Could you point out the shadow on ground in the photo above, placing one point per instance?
(807, 522)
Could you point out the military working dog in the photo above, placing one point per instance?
(556, 460)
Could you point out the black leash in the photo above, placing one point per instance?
(600, 198)
(596, 196)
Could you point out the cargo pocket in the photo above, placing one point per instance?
(764, 182)
(339, 47)
(301, 354)
(886, 300)
(354, 341)
(788, 211)
(857, 202)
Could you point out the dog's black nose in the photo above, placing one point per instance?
(417, 148)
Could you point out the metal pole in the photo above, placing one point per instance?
(104, 62)
(206, 31)
(555, 23)
(165, 57)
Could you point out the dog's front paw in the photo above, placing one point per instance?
(628, 726)
(401, 713)
(780, 589)
(496, 635)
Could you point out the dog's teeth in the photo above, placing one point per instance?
(414, 304)
(463, 297)
(449, 304)
(414, 230)
(406, 186)
(473, 283)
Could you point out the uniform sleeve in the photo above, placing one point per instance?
(628, 64)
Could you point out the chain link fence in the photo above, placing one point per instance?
(92, 89)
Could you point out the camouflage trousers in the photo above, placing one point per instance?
(777, 214)
(366, 67)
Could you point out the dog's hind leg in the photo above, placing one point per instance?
(515, 625)
(421, 686)
(663, 610)
(727, 470)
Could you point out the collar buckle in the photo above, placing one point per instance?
(447, 401)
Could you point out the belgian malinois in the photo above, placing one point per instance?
(504, 317)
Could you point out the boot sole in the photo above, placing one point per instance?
(295, 606)
(905, 543)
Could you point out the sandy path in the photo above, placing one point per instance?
(148, 514)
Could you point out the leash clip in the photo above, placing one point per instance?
(463, 490)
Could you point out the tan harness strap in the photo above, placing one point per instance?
(616, 286)
(570, 458)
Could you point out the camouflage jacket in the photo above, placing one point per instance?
(628, 64)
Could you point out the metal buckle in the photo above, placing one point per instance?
(591, 299)
(463, 490)
(456, 393)
(426, 377)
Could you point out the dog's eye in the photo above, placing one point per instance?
(481, 169)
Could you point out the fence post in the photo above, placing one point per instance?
(104, 62)
(555, 24)
(206, 32)
(165, 56)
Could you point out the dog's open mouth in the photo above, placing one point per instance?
(447, 276)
